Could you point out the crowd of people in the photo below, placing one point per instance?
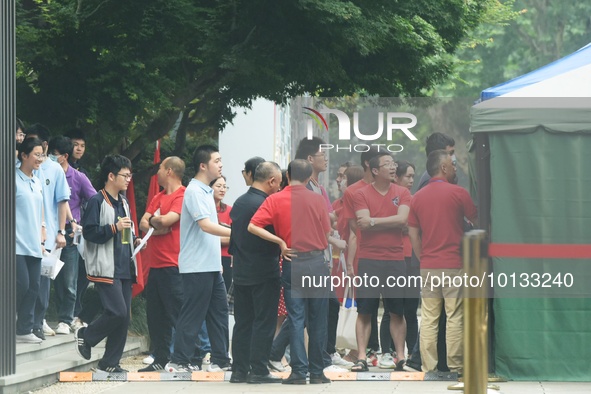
(204, 253)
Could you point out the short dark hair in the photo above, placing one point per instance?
(202, 155)
(250, 165)
(308, 147)
(438, 141)
(61, 144)
(265, 170)
(369, 154)
(113, 164)
(75, 134)
(28, 145)
(20, 125)
(346, 164)
(284, 180)
(403, 166)
(299, 170)
(40, 131)
(374, 162)
(434, 161)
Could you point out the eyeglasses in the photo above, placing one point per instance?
(222, 187)
(39, 155)
(323, 155)
(389, 165)
(126, 176)
(20, 135)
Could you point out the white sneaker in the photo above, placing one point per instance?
(62, 329)
(148, 360)
(206, 359)
(216, 368)
(276, 366)
(334, 368)
(29, 338)
(173, 367)
(338, 360)
(47, 330)
(387, 361)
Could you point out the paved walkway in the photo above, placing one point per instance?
(335, 387)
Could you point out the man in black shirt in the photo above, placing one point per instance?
(256, 283)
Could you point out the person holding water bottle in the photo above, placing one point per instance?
(108, 247)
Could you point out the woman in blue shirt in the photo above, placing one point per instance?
(30, 237)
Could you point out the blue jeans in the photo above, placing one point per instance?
(302, 302)
(66, 282)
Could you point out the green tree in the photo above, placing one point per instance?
(512, 42)
(126, 71)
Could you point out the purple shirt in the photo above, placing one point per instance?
(80, 188)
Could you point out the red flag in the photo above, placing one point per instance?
(153, 189)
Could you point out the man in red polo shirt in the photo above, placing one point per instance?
(382, 211)
(164, 296)
(300, 219)
(436, 229)
(353, 237)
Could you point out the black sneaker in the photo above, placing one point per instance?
(39, 333)
(294, 379)
(154, 367)
(319, 379)
(115, 369)
(82, 348)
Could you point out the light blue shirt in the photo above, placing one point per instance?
(29, 204)
(200, 251)
(55, 190)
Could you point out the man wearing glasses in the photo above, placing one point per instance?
(382, 210)
(108, 247)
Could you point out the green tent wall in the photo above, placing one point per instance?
(539, 155)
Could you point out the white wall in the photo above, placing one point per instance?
(252, 134)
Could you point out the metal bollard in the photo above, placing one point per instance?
(475, 314)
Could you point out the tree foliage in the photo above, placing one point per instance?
(125, 71)
(531, 35)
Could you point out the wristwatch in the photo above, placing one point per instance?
(74, 221)
(62, 232)
(372, 222)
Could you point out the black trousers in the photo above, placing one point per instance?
(204, 298)
(114, 321)
(164, 297)
(255, 315)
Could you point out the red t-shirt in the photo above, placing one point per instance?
(163, 250)
(386, 244)
(224, 217)
(342, 223)
(299, 217)
(438, 210)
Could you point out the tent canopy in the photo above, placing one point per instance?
(580, 58)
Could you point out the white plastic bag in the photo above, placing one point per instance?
(51, 263)
(346, 338)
